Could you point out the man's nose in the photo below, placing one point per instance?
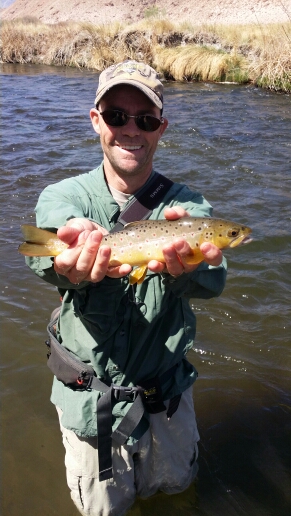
(130, 128)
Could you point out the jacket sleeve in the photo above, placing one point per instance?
(205, 282)
(44, 268)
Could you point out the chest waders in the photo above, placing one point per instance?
(147, 395)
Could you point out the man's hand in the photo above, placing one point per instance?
(85, 259)
(175, 253)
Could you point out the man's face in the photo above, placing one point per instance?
(128, 151)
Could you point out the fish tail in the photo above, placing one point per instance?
(39, 242)
(34, 235)
(28, 249)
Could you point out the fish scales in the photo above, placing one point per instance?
(141, 242)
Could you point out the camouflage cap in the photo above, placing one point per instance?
(139, 75)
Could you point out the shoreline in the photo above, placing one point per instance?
(244, 54)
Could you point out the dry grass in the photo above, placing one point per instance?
(199, 63)
(267, 49)
(258, 54)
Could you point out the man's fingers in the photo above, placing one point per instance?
(212, 255)
(175, 213)
(119, 271)
(100, 264)
(173, 264)
(69, 234)
(77, 261)
(156, 266)
(87, 258)
(68, 258)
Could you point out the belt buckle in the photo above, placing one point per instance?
(122, 393)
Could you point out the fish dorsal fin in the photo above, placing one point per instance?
(138, 222)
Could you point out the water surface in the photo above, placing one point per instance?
(232, 143)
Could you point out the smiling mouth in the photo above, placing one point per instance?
(130, 147)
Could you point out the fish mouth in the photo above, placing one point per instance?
(247, 240)
(241, 240)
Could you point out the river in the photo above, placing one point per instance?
(232, 143)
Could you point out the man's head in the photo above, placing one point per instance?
(128, 119)
(139, 75)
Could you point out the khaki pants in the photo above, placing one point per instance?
(163, 459)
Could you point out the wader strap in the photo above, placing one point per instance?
(141, 206)
(120, 434)
(173, 405)
(104, 426)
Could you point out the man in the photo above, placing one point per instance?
(131, 336)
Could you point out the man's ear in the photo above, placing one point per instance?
(95, 118)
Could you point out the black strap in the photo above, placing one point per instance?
(129, 422)
(104, 426)
(142, 205)
(120, 434)
(173, 405)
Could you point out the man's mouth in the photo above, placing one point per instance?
(130, 147)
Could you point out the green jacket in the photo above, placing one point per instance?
(126, 335)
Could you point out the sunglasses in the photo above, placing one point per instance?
(117, 118)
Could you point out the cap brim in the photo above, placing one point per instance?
(142, 87)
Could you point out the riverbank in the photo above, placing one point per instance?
(255, 53)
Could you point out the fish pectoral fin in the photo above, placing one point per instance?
(138, 275)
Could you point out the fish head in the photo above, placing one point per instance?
(224, 233)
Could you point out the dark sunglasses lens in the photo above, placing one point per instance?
(148, 123)
(117, 118)
(114, 118)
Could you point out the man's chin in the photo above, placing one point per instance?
(130, 168)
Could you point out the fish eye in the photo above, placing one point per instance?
(233, 232)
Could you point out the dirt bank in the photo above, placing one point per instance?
(193, 11)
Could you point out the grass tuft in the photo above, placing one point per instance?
(260, 54)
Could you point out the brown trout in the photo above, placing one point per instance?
(140, 242)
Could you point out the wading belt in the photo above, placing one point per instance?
(78, 375)
(74, 373)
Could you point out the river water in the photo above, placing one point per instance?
(233, 144)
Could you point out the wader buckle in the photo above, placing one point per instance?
(122, 393)
(84, 380)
